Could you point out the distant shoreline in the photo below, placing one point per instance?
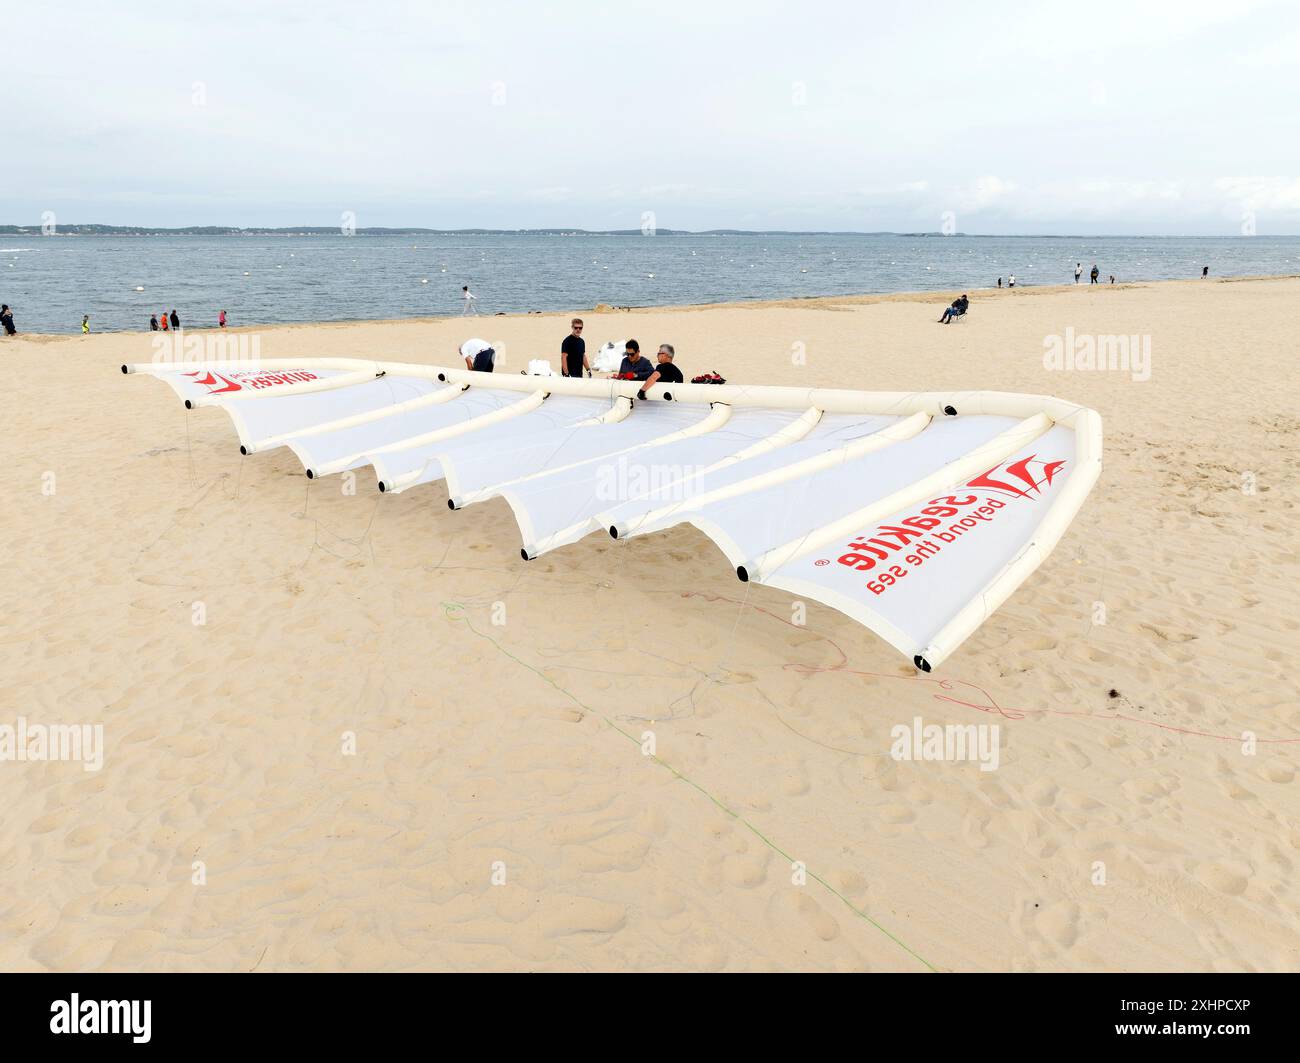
(96, 229)
(796, 302)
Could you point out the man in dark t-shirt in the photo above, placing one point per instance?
(665, 372)
(573, 351)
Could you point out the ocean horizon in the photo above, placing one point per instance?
(265, 277)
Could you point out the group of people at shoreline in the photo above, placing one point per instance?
(166, 322)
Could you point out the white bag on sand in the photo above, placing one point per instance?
(540, 367)
(608, 358)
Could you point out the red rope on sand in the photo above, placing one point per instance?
(990, 704)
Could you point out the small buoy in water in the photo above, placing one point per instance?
(803, 271)
(649, 274)
(245, 273)
(424, 280)
(139, 287)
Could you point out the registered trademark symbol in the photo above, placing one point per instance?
(823, 561)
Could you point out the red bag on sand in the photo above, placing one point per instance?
(708, 378)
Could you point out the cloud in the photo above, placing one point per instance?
(983, 193)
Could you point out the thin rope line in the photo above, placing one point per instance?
(455, 611)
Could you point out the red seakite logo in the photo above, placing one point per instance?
(254, 379)
(914, 536)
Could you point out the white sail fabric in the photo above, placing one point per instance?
(560, 507)
(472, 476)
(402, 469)
(914, 514)
(909, 575)
(350, 448)
(258, 419)
(669, 504)
(750, 524)
(222, 382)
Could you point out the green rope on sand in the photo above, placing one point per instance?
(456, 611)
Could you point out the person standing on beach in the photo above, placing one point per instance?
(1011, 281)
(85, 324)
(176, 321)
(573, 351)
(164, 321)
(153, 323)
(1078, 271)
(221, 319)
(470, 299)
(7, 320)
(1095, 273)
(999, 282)
(1205, 272)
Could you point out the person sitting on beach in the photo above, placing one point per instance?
(665, 372)
(956, 310)
(634, 367)
(479, 355)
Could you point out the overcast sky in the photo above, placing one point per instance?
(1138, 116)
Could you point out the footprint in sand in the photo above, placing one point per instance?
(1042, 792)
(974, 829)
(823, 924)
(1228, 877)
(1074, 754)
(1276, 770)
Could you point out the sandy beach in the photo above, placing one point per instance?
(231, 624)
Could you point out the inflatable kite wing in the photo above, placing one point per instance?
(916, 514)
